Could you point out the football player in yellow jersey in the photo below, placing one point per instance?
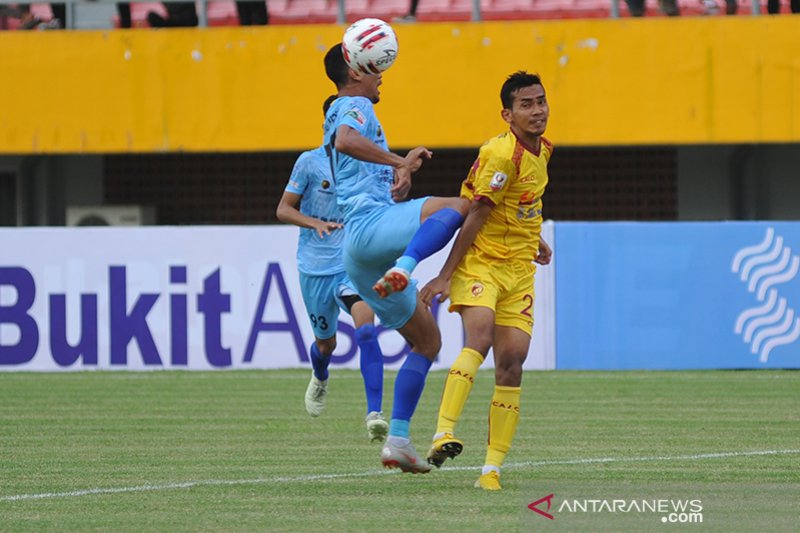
(489, 272)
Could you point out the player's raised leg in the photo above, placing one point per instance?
(440, 219)
(510, 350)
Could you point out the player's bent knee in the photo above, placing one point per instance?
(508, 373)
(326, 346)
(428, 348)
(427, 343)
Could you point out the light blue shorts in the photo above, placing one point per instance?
(373, 242)
(323, 298)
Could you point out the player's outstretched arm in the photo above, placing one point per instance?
(440, 285)
(288, 213)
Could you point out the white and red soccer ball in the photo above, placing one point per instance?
(369, 46)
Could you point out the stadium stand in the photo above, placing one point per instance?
(223, 13)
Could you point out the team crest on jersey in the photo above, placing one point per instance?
(326, 184)
(357, 115)
(498, 181)
(477, 289)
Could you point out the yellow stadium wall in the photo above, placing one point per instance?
(609, 82)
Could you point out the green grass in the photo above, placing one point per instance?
(254, 461)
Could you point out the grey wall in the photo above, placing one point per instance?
(743, 182)
(747, 182)
(46, 185)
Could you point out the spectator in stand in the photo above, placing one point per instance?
(710, 7)
(22, 12)
(669, 7)
(179, 14)
(412, 13)
(774, 6)
(124, 11)
(59, 20)
(31, 22)
(252, 13)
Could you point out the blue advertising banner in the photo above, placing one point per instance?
(678, 295)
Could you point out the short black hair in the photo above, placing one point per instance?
(514, 83)
(327, 104)
(335, 66)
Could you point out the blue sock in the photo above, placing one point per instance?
(319, 363)
(371, 366)
(407, 390)
(398, 428)
(431, 237)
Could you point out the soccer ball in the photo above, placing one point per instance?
(369, 46)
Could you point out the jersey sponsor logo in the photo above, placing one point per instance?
(527, 179)
(386, 174)
(526, 213)
(498, 181)
(356, 115)
(527, 198)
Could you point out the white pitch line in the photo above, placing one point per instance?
(370, 473)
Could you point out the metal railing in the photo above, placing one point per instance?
(341, 9)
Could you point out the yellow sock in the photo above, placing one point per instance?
(457, 388)
(503, 419)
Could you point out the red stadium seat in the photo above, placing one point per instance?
(223, 12)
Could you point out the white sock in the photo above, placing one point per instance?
(489, 468)
(398, 441)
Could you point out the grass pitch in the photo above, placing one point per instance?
(235, 451)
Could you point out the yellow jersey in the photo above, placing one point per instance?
(511, 177)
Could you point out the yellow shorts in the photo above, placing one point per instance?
(503, 286)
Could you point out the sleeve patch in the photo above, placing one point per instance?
(498, 181)
(356, 115)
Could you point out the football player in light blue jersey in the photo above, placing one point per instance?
(325, 285)
(370, 181)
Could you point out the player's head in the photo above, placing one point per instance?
(327, 103)
(525, 105)
(335, 66)
(348, 81)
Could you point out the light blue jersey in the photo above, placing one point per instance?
(360, 186)
(311, 178)
(377, 228)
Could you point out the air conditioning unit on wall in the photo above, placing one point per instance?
(111, 215)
